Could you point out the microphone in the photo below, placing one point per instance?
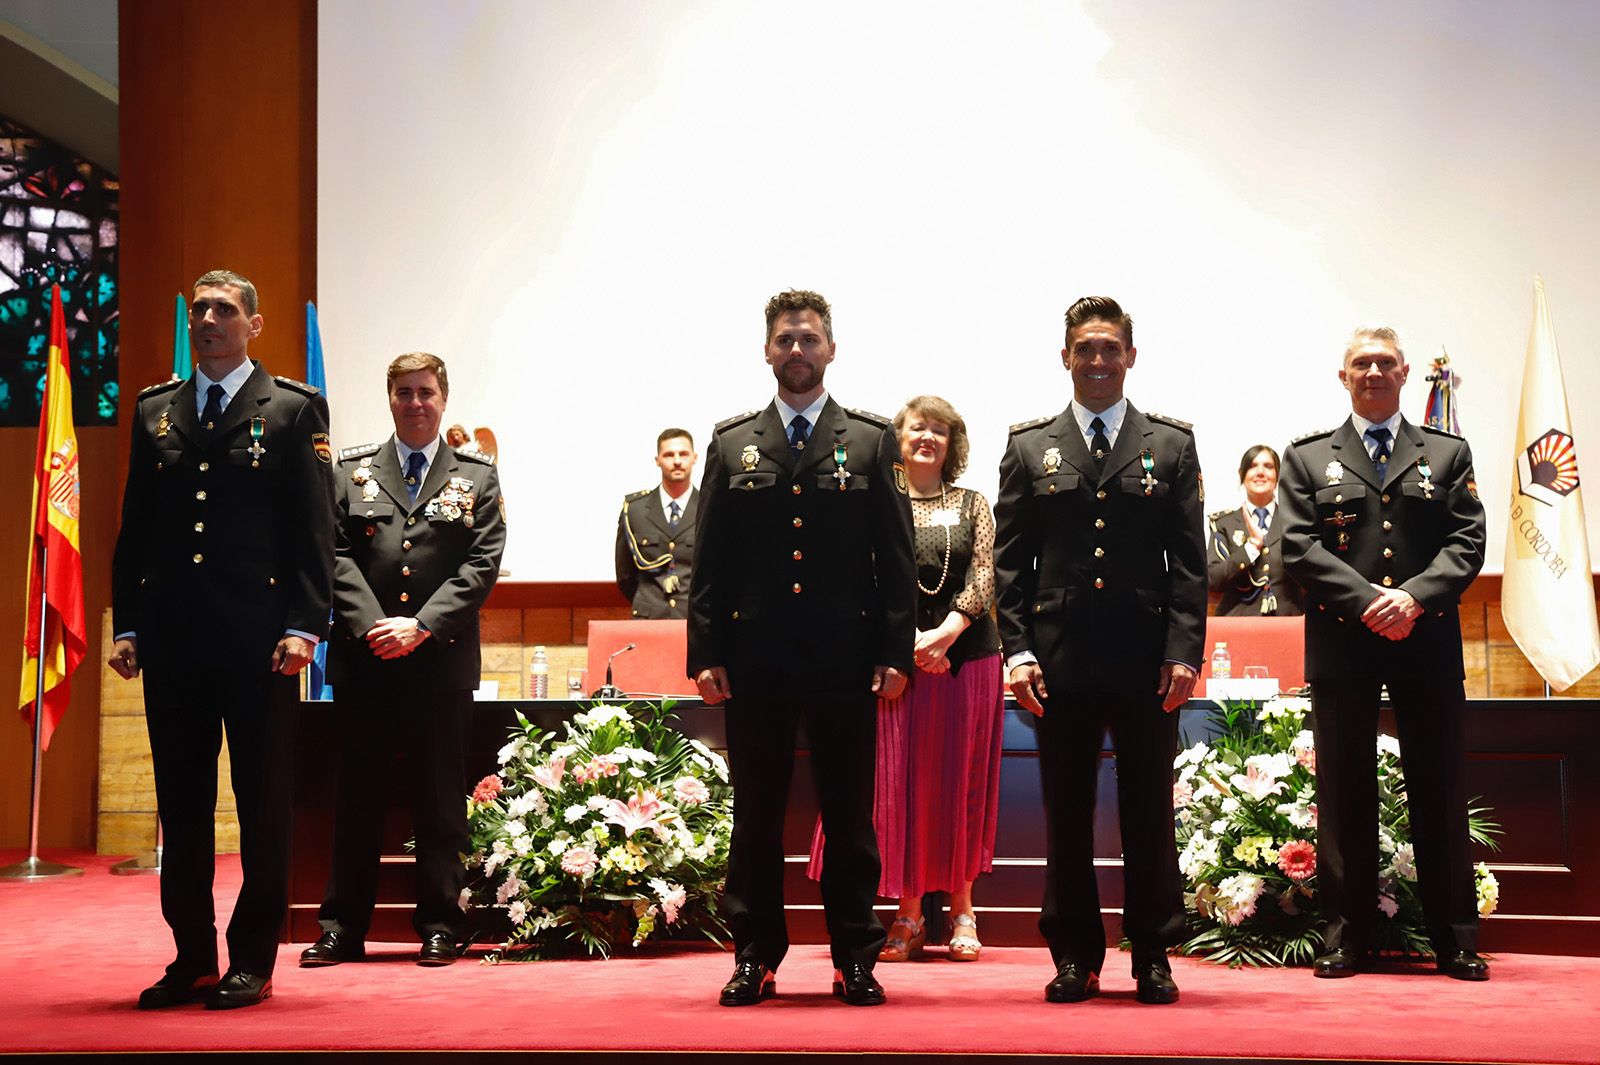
(610, 690)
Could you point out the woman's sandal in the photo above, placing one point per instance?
(906, 938)
(964, 945)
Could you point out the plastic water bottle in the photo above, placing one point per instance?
(1221, 664)
(539, 675)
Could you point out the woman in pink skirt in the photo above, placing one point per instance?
(938, 774)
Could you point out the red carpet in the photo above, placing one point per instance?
(80, 950)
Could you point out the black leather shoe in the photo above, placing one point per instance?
(1073, 983)
(856, 985)
(175, 991)
(331, 948)
(1338, 962)
(1464, 965)
(237, 989)
(438, 948)
(1153, 982)
(751, 982)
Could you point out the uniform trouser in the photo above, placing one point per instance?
(1145, 739)
(429, 729)
(1428, 712)
(186, 716)
(842, 730)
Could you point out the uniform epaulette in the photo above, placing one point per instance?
(640, 494)
(1442, 432)
(161, 386)
(472, 454)
(1017, 428)
(360, 451)
(736, 419)
(1313, 435)
(1167, 419)
(1222, 514)
(298, 386)
(867, 416)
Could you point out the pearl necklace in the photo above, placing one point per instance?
(945, 573)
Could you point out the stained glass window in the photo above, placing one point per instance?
(58, 224)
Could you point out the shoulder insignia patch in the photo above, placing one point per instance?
(1166, 419)
(160, 387)
(472, 454)
(867, 416)
(359, 451)
(1017, 428)
(736, 419)
(1313, 435)
(298, 386)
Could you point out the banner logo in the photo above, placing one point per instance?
(1547, 469)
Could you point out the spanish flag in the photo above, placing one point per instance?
(1547, 598)
(58, 590)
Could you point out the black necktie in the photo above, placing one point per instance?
(213, 412)
(1100, 446)
(674, 512)
(799, 430)
(1379, 435)
(414, 474)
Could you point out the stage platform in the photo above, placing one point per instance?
(80, 949)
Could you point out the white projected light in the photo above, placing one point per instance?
(584, 207)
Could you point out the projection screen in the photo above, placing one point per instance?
(583, 207)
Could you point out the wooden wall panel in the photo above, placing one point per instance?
(218, 168)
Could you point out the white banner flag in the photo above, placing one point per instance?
(1547, 599)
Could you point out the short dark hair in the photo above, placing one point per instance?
(1250, 454)
(217, 278)
(940, 410)
(800, 299)
(672, 434)
(1102, 309)
(414, 361)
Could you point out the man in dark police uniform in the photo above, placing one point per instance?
(220, 592)
(1100, 560)
(803, 610)
(420, 535)
(1383, 529)
(655, 534)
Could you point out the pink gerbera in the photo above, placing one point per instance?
(487, 790)
(579, 861)
(1298, 859)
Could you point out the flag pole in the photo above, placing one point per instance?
(35, 868)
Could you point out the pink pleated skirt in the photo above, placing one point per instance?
(937, 798)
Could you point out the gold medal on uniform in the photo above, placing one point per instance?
(840, 474)
(1052, 459)
(164, 426)
(1334, 472)
(749, 458)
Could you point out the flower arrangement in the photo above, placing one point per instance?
(1246, 810)
(599, 838)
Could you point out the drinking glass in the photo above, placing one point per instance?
(1255, 672)
(577, 684)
